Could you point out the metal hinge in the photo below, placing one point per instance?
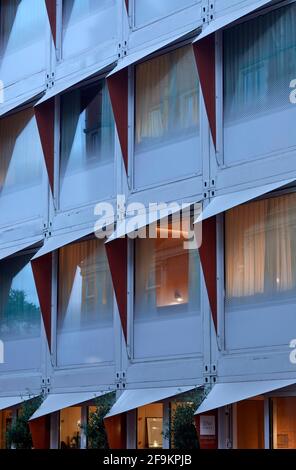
(45, 385)
(210, 374)
(207, 11)
(120, 380)
(209, 188)
(122, 49)
(49, 79)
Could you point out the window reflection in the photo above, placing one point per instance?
(85, 304)
(148, 10)
(87, 144)
(19, 306)
(150, 426)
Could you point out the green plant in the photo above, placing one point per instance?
(182, 432)
(95, 428)
(18, 434)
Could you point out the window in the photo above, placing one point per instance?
(85, 305)
(22, 36)
(87, 145)
(20, 317)
(167, 298)
(283, 425)
(70, 428)
(149, 10)
(87, 23)
(150, 426)
(167, 118)
(260, 241)
(259, 63)
(5, 423)
(21, 168)
(250, 424)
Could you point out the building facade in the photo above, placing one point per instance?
(123, 104)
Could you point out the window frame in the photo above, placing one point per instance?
(132, 122)
(57, 153)
(131, 316)
(54, 319)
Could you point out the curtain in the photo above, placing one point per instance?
(85, 285)
(260, 247)
(259, 63)
(167, 96)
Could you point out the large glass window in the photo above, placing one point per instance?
(21, 168)
(70, 428)
(167, 298)
(250, 424)
(259, 63)
(87, 146)
(22, 38)
(87, 23)
(85, 305)
(260, 242)
(149, 10)
(5, 423)
(19, 314)
(284, 423)
(150, 426)
(166, 118)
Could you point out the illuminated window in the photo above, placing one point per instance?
(167, 117)
(87, 145)
(5, 422)
(284, 423)
(250, 424)
(85, 307)
(260, 254)
(70, 427)
(150, 426)
(167, 297)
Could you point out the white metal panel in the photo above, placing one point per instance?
(21, 99)
(68, 81)
(57, 241)
(223, 394)
(131, 59)
(227, 201)
(11, 250)
(127, 226)
(8, 402)
(226, 20)
(58, 401)
(131, 399)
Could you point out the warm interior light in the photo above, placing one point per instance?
(178, 296)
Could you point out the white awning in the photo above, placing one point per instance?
(131, 399)
(134, 223)
(135, 57)
(223, 394)
(227, 201)
(8, 402)
(20, 100)
(59, 240)
(11, 250)
(226, 20)
(67, 82)
(58, 401)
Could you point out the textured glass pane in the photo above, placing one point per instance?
(148, 10)
(85, 304)
(87, 23)
(22, 22)
(260, 250)
(167, 298)
(87, 145)
(21, 167)
(20, 317)
(259, 63)
(167, 117)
